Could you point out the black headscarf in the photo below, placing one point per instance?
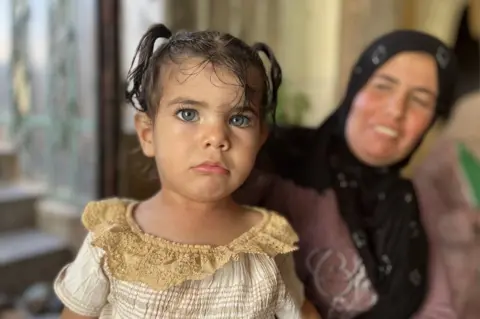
(378, 205)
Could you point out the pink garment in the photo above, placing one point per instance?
(445, 203)
(333, 273)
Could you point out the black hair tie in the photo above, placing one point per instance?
(161, 31)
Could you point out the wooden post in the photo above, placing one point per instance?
(109, 96)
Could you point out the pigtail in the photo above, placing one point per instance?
(275, 73)
(136, 76)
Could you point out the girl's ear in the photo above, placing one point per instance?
(144, 128)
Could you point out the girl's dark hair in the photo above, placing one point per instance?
(220, 49)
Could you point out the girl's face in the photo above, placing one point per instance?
(393, 110)
(205, 137)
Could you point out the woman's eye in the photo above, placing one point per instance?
(420, 101)
(382, 87)
(188, 115)
(240, 121)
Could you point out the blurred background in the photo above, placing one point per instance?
(67, 137)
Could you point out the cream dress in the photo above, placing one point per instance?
(122, 272)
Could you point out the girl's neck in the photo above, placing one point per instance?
(171, 216)
(183, 211)
(172, 201)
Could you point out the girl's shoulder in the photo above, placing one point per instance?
(106, 213)
(272, 235)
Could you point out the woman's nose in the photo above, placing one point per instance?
(397, 105)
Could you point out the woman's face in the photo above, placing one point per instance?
(393, 110)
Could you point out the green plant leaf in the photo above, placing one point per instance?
(470, 167)
(291, 107)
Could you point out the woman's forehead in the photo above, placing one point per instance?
(404, 59)
(414, 67)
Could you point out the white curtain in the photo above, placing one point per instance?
(137, 16)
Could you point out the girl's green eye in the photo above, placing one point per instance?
(240, 121)
(187, 115)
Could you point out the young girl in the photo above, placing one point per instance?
(190, 251)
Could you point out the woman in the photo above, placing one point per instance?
(363, 250)
(441, 179)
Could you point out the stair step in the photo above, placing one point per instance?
(6, 148)
(29, 256)
(8, 163)
(17, 205)
(62, 220)
(23, 244)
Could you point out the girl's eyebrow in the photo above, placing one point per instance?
(187, 101)
(190, 102)
(239, 109)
